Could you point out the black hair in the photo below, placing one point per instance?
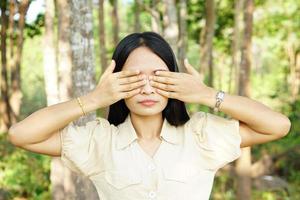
(175, 112)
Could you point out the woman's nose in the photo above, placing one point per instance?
(147, 88)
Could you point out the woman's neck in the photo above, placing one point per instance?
(147, 127)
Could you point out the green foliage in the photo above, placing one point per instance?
(22, 173)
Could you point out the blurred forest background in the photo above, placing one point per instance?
(244, 47)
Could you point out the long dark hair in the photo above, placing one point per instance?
(175, 111)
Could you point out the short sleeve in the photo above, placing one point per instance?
(81, 145)
(217, 138)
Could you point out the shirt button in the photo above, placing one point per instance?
(152, 194)
(151, 167)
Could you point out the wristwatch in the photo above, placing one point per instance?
(219, 99)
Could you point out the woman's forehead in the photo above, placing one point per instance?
(146, 68)
(144, 60)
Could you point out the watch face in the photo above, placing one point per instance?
(220, 95)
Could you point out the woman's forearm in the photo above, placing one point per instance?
(255, 114)
(41, 124)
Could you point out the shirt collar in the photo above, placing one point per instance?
(127, 134)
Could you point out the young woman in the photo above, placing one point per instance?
(149, 148)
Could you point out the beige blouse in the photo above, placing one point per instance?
(183, 167)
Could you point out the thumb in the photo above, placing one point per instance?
(110, 68)
(190, 69)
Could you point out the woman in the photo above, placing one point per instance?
(148, 147)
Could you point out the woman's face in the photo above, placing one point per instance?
(147, 62)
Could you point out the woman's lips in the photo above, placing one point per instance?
(148, 102)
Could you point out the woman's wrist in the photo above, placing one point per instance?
(209, 97)
(89, 103)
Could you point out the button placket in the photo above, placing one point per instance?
(151, 167)
(152, 194)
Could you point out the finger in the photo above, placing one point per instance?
(166, 80)
(127, 73)
(167, 74)
(131, 79)
(110, 68)
(167, 94)
(190, 69)
(163, 86)
(125, 95)
(132, 86)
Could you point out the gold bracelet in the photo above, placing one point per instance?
(79, 102)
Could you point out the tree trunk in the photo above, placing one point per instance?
(182, 42)
(16, 94)
(83, 74)
(4, 100)
(102, 42)
(50, 68)
(243, 165)
(115, 21)
(294, 63)
(236, 46)
(63, 187)
(64, 51)
(171, 29)
(155, 17)
(51, 88)
(206, 41)
(137, 12)
(102, 36)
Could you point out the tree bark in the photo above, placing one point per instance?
(182, 42)
(83, 74)
(206, 41)
(115, 21)
(243, 165)
(294, 63)
(51, 88)
(137, 12)
(4, 100)
(155, 17)
(61, 176)
(16, 94)
(236, 46)
(171, 29)
(102, 36)
(102, 42)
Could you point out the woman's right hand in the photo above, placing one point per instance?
(113, 87)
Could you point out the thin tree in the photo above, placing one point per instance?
(171, 29)
(236, 45)
(102, 39)
(4, 100)
(206, 41)
(16, 94)
(243, 164)
(63, 186)
(115, 21)
(137, 12)
(83, 74)
(155, 17)
(182, 41)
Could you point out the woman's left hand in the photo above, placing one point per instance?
(187, 87)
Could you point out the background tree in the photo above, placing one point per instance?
(243, 165)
